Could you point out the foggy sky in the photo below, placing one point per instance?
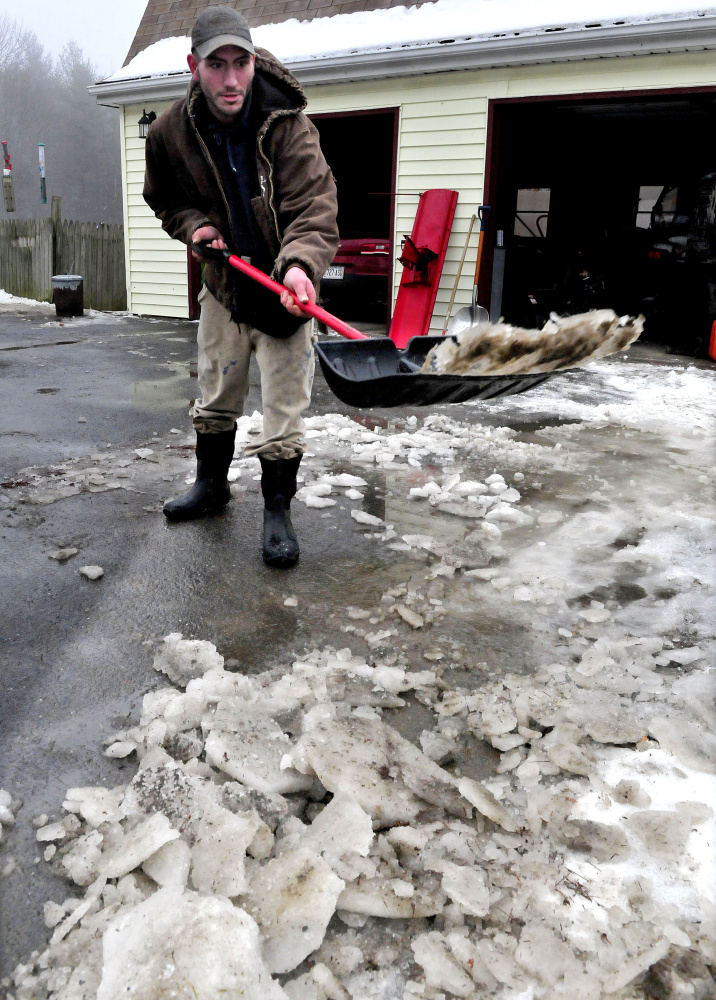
(104, 29)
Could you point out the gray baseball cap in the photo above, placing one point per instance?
(217, 26)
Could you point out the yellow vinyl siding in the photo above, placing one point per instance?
(156, 265)
(443, 131)
(441, 143)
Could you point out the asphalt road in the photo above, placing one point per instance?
(75, 655)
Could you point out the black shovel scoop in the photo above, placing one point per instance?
(371, 371)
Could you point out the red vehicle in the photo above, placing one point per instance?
(359, 274)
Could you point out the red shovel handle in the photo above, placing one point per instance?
(316, 311)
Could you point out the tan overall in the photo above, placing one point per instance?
(286, 368)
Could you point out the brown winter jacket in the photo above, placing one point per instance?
(296, 210)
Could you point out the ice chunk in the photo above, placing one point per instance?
(603, 841)
(550, 517)
(332, 987)
(183, 746)
(184, 659)
(411, 617)
(120, 749)
(593, 662)
(344, 479)
(542, 954)
(685, 656)
(137, 845)
(169, 790)
(169, 866)
(364, 518)
(83, 859)
(53, 831)
(465, 886)
(486, 803)
(341, 830)
(314, 489)
(293, 897)
(630, 793)
(633, 967)
(62, 555)
(491, 532)
(430, 489)
(595, 614)
(96, 805)
(689, 740)
(385, 773)
(253, 754)
(52, 913)
(571, 758)
(441, 970)
(143, 452)
(92, 572)
(470, 487)
(499, 718)
(615, 727)
(316, 501)
(389, 898)
(664, 834)
(354, 494)
(238, 798)
(506, 514)
(217, 859)
(184, 944)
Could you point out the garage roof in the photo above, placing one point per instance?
(383, 40)
(174, 18)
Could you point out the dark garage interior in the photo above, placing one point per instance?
(607, 202)
(360, 149)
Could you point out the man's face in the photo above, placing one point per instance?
(225, 78)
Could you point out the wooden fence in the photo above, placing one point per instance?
(26, 258)
(32, 250)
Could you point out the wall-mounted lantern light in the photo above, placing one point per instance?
(144, 122)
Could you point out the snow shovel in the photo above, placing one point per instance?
(473, 314)
(446, 324)
(371, 371)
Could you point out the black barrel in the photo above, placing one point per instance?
(68, 294)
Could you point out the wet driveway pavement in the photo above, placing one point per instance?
(76, 655)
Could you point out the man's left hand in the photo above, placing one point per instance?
(298, 282)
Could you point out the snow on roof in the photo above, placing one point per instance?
(398, 27)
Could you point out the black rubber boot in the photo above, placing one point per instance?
(278, 485)
(210, 491)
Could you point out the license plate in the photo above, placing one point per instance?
(334, 272)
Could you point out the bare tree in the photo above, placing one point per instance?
(42, 100)
(11, 38)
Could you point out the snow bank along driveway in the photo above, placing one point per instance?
(282, 839)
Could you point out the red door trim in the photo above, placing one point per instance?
(395, 111)
(492, 150)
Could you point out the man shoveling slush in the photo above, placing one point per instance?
(237, 163)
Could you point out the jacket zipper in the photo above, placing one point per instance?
(260, 146)
(269, 169)
(269, 178)
(213, 167)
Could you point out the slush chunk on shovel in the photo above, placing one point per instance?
(563, 342)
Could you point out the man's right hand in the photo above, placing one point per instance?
(211, 235)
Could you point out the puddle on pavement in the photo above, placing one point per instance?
(164, 393)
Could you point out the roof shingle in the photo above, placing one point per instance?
(170, 18)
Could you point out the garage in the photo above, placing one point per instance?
(605, 201)
(360, 148)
